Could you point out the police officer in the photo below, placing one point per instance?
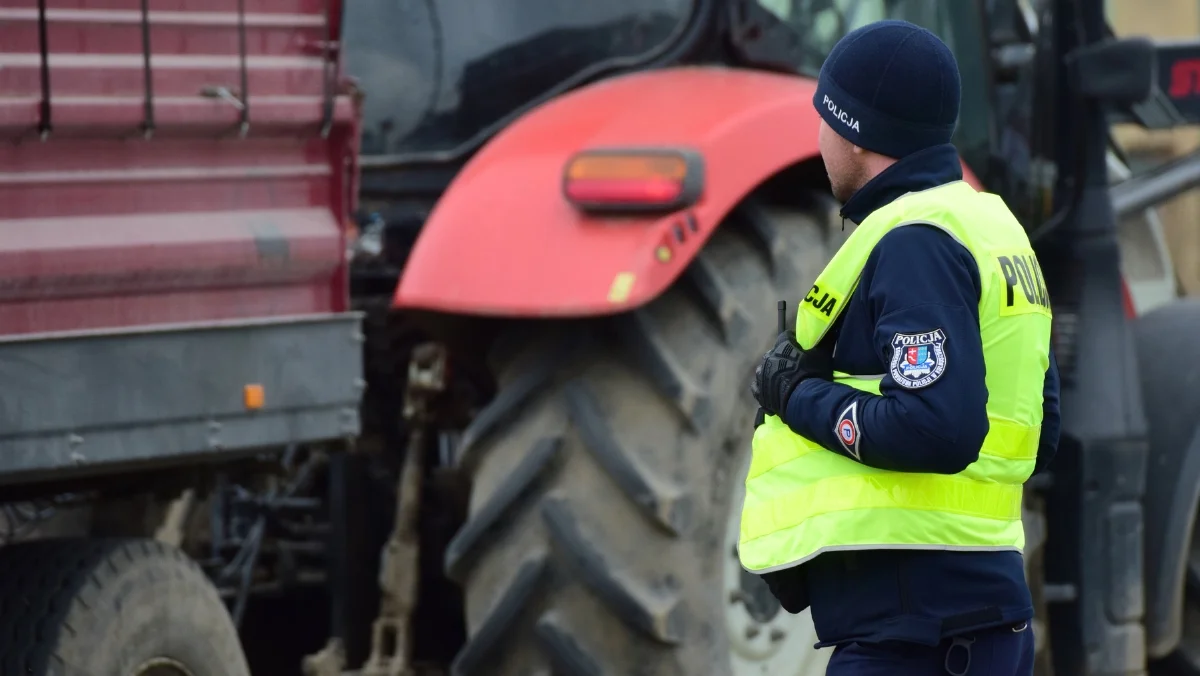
(886, 480)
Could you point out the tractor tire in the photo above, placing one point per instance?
(608, 474)
(119, 607)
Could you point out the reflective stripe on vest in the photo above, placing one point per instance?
(802, 499)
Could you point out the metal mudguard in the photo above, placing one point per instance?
(1170, 373)
(101, 401)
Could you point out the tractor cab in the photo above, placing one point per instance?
(443, 79)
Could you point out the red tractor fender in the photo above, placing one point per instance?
(503, 241)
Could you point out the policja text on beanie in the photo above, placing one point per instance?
(890, 87)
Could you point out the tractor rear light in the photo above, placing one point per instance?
(642, 179)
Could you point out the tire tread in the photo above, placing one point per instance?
(665, 505)
(473, 535)
(606, 581)
(640, 610)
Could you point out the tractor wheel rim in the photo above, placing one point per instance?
(161, 666)
(1189, 641)
(764, 639)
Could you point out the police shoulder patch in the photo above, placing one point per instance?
(918, 359)
(847, 430)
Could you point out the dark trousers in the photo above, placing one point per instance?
(1002, 651)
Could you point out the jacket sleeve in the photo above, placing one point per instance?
(1051, 420)
(931, 416)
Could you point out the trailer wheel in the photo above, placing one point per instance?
(1185, 659)
(608, 475)
(111, 608)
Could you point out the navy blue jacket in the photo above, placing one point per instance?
(916, 281)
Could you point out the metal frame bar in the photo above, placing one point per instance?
(1154, 187)
(1094, 506)
(329, 72)
(45, 118)
(244, 125)
(202, 419)
(148, 124)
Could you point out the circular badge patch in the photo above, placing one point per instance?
(847, 432)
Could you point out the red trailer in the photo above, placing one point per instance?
(175, 182)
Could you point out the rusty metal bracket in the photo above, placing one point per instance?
(329, 661)
(391, 640)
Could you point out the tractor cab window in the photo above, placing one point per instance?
(821, 23)
(437, 73)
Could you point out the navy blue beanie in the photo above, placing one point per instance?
(890, 87)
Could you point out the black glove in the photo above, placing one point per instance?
(790, 587)
(783, 368)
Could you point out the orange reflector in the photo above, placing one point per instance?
(253, 396)
(633, 179)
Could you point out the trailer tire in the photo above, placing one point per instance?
(111, 607)
(608, 466)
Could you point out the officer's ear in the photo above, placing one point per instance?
(858, 150)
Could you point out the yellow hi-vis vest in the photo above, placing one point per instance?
(802, 500)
